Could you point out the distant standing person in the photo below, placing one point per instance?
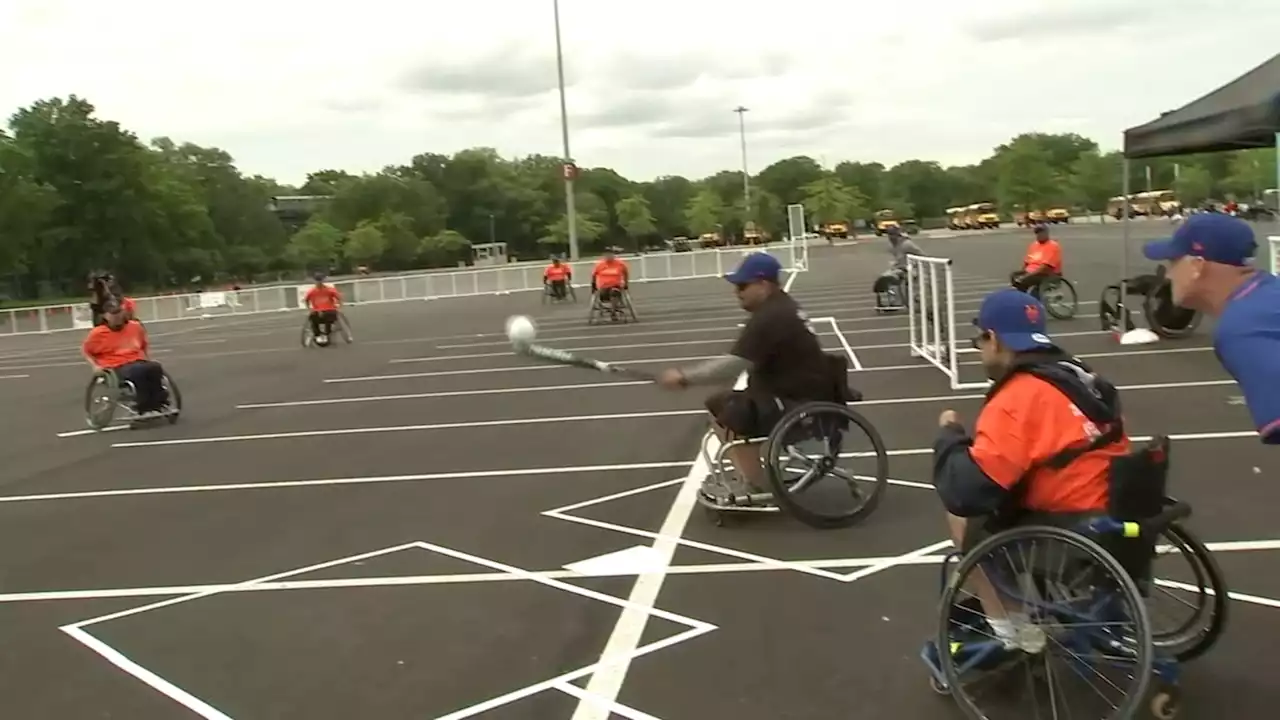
(1209, 268)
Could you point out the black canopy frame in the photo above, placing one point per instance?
(1244, 114)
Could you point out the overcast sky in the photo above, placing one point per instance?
(290, 86)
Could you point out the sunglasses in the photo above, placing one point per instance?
(980, 338)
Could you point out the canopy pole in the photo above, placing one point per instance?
(1124, 245)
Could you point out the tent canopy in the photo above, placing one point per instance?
(1240, 115)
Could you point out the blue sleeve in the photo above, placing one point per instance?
(1252, 356)
(963, 487)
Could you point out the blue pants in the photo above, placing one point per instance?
(146, 376)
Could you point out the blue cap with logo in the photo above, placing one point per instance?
(1016, 319)
(1216, 237)
(756, 266)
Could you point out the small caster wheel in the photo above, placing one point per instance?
(939, 688)
(1165, 702)
(713, 515)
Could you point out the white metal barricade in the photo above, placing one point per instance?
(431, 285)
(1274, 241)
(931, 309)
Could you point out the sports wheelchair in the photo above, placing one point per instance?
(1097, 621)
(549, 296)
(891, 290)
(1165, 319)
(619, 309)
(108, 395)
(811, 434)
(343, 326)
(1056, 293)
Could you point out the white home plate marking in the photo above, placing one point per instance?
(638, 560)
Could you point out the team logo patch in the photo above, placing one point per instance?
(1033, 313)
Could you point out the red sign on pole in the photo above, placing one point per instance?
(570, 171)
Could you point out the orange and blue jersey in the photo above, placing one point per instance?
(610, 274)
(1247, 342)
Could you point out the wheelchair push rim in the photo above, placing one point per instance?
(838, 422)
(341, 326)
(173, 408)
(1166, 319)
(101, 400)
(1196, 635)
(1059, 298)
(961, 660)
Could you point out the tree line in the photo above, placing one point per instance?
(78, 192)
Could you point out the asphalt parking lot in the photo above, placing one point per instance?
(422, 524)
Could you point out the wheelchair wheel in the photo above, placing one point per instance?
(1197, 634)
(174, 405)
(100, 400)
(819, 492)
(1109, 311)
(1059, 298)
(343, 326)
(1077, 615)
(1163, 317)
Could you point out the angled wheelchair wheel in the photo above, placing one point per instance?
(343, 326)
(1109, 309)
(1059, 298)
(1084, 645)
(308, 337)
(628, 308)
(1163, 317)
(101, 400)
(1201, 589)
(827, 465)
(173, 407)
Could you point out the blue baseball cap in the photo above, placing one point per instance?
(756, 266)
(1016, 319)
(1216, 237)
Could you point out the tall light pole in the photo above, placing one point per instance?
(568, 169)
(746, 178)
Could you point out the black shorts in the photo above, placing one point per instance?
(746, 415)
(980, 528)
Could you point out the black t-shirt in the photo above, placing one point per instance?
(787, 360)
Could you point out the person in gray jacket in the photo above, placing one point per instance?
(889, 287)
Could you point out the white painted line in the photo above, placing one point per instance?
(373, 480)
(606, 682)
(491, 577)
(157, 683)
(410, 428)
(447, 393)
(1241, 597)
(517, 368)
(635, 560)
(582, 418)
(78, 433)
(13, 377)
(611, 707)
(1082, 356)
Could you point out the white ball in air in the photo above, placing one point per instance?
(520, 329)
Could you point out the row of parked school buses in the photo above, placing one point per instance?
(1153, 203)
(880, 223)
(985, 216)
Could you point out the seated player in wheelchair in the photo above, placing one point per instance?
(556, 278)
(1043, 261)
(324, 302)
(120, 346)
(609, 280)
(1041, 451)
(785, 366)
(890, 286)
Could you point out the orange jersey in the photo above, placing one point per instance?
(1030, 420)
(609, 274)
(112, 348)
(323, 298)
(555, 273)
(1047, 254)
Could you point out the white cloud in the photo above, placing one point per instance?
(291, 86)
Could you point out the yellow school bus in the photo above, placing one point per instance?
(955, 218)
(835, 230)
(982, 215)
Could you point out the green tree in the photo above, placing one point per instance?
(316, 245)
(828, 200)
(1193, 186)
(704, 212)
(635, 217)
(1094, 179)
(1026, 178)
(365, 244)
